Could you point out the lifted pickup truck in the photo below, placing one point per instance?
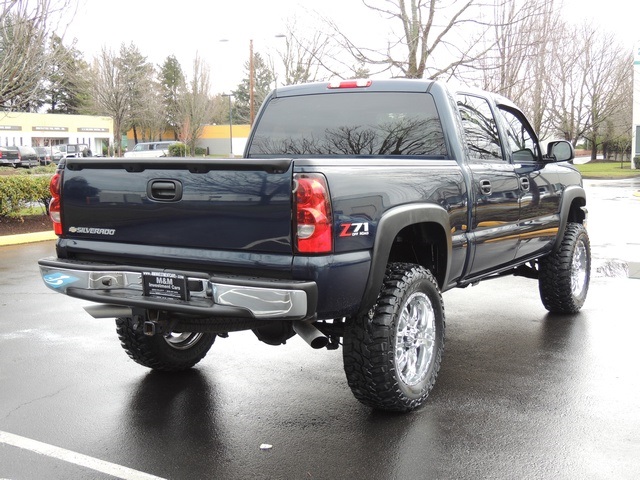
(355, 205)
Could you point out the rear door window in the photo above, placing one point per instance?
(480, 128)
(350, 124)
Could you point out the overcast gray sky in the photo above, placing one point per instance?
(160, 27)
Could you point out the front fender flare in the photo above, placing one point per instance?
(570, 195)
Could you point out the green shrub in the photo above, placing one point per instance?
(201, 152)
(41, 170)
(21, 191)
(177, 150)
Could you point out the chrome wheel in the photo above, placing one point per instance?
(182, 341)
(392, 354)
(415, 339)
(579, 266)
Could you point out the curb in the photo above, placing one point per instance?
(6, 240)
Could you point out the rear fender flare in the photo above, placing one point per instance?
(391, 223)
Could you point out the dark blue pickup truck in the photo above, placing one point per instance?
(355, 205)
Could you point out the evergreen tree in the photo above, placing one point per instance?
(139, 86)
(67, 85)
(172, 85)
(263, 83)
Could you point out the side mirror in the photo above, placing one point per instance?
(560, 151)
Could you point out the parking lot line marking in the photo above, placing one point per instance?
(75, 458)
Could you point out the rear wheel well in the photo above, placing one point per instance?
(423, 244)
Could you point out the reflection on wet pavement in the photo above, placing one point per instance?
(614, 213)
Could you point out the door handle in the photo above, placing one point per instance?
(524, 184)
(164, 190)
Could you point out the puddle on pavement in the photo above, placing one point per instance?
(610, 267)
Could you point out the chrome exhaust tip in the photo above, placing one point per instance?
(310, 334)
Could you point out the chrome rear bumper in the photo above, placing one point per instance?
(208, 296)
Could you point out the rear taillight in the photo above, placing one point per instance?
(54, 205)
(313, 224)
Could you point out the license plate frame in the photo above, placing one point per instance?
(168, 285)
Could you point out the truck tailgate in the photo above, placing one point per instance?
(221, 204)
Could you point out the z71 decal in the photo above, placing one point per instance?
(354, 229)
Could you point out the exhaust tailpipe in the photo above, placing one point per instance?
(310, 334)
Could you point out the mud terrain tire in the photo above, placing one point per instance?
(170, 353)
(392, 355)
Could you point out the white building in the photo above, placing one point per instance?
(46, 129)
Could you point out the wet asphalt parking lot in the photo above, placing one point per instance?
(521, 393)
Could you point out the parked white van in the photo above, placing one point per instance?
(150, 150)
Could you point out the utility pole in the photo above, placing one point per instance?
(252, 112)
(635, 132)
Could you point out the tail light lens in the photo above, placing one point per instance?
(54, 205)
(313, 222)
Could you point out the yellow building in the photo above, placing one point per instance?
(216, 139)
(45, 129)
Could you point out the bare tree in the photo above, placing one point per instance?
(608, 82)
(433, 38)
(591, 84)
(304, 57)
(110, 97)
(152, 114)
(196, 108)
(25, 27)
(518, 66)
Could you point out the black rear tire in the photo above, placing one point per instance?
(170, 353)
(565, 274)
(392, 355)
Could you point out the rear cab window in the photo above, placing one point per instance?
(350, 124)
